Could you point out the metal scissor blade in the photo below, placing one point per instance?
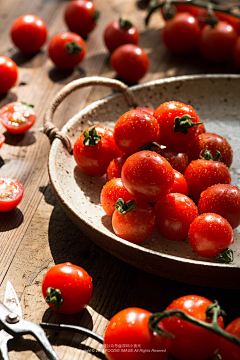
(11, 300)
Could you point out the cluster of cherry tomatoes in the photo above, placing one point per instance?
(190, 28)
(164, 171)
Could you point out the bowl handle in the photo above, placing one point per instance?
(52, 131)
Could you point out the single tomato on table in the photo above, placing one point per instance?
(174, 214)
(81, 16)
(130, 62)
(134, 129)
(147, 175)
(178, 124)
(129, 337)
(221, 199)
(67, 288)
(120, 32)
(11, 193)
(17, 117)
(133, 220)
(191, 341)
(8, 74)
(94, 149)
(210, 234)
(66, 50)
(29, 33)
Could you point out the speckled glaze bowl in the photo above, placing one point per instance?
(215, 98)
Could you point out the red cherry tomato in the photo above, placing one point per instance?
(2, 140)
(181, 33)
(209, 234)
(111, 192)
(29, 33)
(222, 199)
(81, 16)
(174, 214)
(147, 175)
(178, 160)
(17, 117)
(135, 225)
(131, 62)
(172, 133)
(66, 50)
(94, 149)
(200, 174)
(120, 32)
(11, 193)
(216, 43)
(212, 142)
(145, 109)
(191, 341)
(115, 167)
(227, 350)
(8, 74)
(180, 184)
(236, 52)
(134, 129)
(74, 284)
(128, 337)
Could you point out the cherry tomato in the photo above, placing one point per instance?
(232, 20)
(216, 42)
(133, 222)
(191, 341)
(115, 167)
(131, 62)
(175, 130)
(11, 193)
(236, 52)
(111, 192)
(66, 50)
(67, 288)
(180, 184)
(200, 174)
(178, 160)
(209, 234)
(227, 350)
(134, 129)
(147, 175)
(145, 109)
(120, 32)
(81, 16)
(8, 74)
(94, 149)
(212, 142)
(181, 33)
(2, 140)
(174, 214)
(222, 199)
(128, 337)
(17, 117)
(29, 33)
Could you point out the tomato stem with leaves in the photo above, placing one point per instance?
(206, 154)
(227, 10)
(54, 297)
(122, 207)
(151, 146)
(225, 256)
(212, 312)
(73, 48)
(184, 123)
(91, 137)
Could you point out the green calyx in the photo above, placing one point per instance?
(184, 123)
(151, 146)
(225, 257)
(29, 105)
(125, 24)
(54, 297)
(213, 312)
(91, 137)
(169, 10)
(73, 48)
(206, 154)
(122, 207)
(96, 16)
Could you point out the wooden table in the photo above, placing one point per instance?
(38, 234)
